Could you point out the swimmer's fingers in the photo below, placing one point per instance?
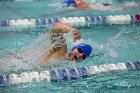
(77, 38)
(76, 35)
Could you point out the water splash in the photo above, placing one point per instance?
(28, 56)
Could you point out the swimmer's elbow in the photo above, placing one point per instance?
(56, 24)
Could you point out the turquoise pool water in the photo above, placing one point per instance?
(114, 43)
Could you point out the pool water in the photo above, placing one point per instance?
(38, 8)
(112, 44)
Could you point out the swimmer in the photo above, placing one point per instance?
(83, 5)
(74, 5)
(59, 50)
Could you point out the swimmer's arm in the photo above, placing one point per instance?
(64, 28)
(46, 58)
(92, 7)
(54, 54)
(83, 5)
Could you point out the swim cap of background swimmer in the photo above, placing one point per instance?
(69, 2)
(85, 48)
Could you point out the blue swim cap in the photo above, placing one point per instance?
(85, 48)
(69, 2)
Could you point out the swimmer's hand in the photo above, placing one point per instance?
(76, 35)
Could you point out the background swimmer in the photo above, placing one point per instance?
(99, 6)
(74, 5)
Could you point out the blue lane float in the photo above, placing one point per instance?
(4, 23)
(115, 19)
(64, 74)
(4, 82)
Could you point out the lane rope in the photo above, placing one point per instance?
(79, 21)
(64, 74)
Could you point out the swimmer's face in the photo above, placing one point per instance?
(76, 55)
